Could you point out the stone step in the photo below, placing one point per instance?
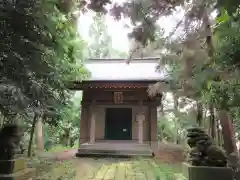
(123, 147)
(116, 151)
(112, 153)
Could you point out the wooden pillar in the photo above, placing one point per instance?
(140, 120)
(84, 135)
(80, 125)
(92, 126)
(154, 129)
(149, 124)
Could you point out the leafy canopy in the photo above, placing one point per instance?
(40, 52)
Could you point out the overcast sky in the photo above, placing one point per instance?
(119, 32)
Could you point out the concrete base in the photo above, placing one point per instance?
(206, 173)
(20, 175)
(19, 169)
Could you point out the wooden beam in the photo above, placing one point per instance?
(81, 85)
(103, 102)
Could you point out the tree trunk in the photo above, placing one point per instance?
(2, 121)
(218, 130)
(219, 137)
(69, 139)
(225, 119)
(176, 104)
(39, 135)
(31, 135)
(205, 120)
(229, 142)
(199, 113)
(212, 122)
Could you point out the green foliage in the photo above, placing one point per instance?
(166, 171)
(172, 124)
(101, 40)
(66, 133)
(57, 170)
(230, 5)
(166, 129)
(39, 57)
(100, 45)
(41, 52)
(223, 89)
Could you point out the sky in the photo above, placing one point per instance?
(115, 29)
(119, 32)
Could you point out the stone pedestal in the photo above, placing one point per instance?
(18, 169)
(206, 173)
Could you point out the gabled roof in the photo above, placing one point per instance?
(119, 70)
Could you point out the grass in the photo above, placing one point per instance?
(66, 170)
(168, 172)
(54, 171)
(58, 171)
(163, 171)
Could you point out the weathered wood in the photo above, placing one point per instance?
(77, 85)
(100, 94)
(131, 103)
(98, 100)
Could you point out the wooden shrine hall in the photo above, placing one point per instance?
(118, 118)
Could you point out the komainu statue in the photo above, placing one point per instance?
(10, 136)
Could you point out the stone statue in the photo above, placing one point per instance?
(10, 136)
(204, 152)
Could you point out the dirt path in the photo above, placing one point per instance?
(66, 155)
(70, 168)
(109, 169)
(100, 169)
(114, 169)
(59, 156)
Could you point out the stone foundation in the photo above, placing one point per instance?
(19, 170)
(206, 173)
(114, 149)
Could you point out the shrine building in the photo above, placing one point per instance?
(117, 115)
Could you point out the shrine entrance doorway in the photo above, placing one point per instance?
(118, 124)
